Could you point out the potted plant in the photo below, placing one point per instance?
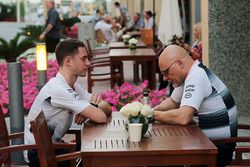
(32, 32)
(126, 38)
(15, 47)
(132, 43)
(137, 113)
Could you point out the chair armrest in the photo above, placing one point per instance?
(242, 149)
(16, 135)
(243, 126)
(232, 140)
(71, 146)
(68, 156)
(20, 147)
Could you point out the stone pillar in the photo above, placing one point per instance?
(229, 49)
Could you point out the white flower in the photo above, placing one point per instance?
(133, 41)
(126, 36)
(146, 110)
(125, 111)
(131, 109)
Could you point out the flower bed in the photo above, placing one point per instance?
(30, 81)
(117, 97)
(127, 93)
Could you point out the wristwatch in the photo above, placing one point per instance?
(96, 105)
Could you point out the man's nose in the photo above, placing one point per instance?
(88, 62)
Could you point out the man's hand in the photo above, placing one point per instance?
(79, 119)
(42, 36)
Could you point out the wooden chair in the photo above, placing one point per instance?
(239, 149)
(100, 68)
(45, 147)
(147, 36)
(95, 52)
(5, 147)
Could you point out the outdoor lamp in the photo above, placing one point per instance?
(41, 57)
(41, 63)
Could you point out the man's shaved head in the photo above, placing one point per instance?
(169, 54)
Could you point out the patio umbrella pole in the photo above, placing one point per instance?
(183, 19)
(154, 23)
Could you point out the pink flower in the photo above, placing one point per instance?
(30, 81)
(127, 93)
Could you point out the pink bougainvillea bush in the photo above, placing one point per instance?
(30, 81)
(117, 97)
(127, 93)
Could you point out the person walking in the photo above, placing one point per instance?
(52, 30)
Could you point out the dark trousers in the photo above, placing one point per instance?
(34, 160)
(51, 44)
(225, 154)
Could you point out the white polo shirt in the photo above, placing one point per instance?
(59, 102)
(204, 91)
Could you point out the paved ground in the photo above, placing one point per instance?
(128, 70)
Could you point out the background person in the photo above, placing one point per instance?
(135, 23)
(149, 20)
(196, 48)
(121, 14)
(52, 30)
(197, 90)
(62, 98)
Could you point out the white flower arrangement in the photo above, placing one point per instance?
(135, 109)
(126, 36)
(133, 41)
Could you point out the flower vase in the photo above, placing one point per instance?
(132, 47)
(140, 119)
(125, 40)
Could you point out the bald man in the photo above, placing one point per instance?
(197, 90)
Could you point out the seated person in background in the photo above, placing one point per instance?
(196, 49)
(197, 90)
(135, 23)
(148, 20)
(62, 98)
(107, 26)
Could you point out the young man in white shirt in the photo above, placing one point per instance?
(197, 90)
(63, 99)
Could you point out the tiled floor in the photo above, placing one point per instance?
(105, 85)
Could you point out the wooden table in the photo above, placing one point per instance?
(108, 145)
(146, 55)
(121, 45)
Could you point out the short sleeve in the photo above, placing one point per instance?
(53, 17)
(69, 99)
(177, 94)
(196, 88)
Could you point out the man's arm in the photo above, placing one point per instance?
(167, 104)
(47, 29)
(180, 116)
(95, 114)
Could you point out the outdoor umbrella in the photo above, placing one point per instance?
(170, 21)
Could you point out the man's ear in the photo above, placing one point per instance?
(181, 64)
(67, 61)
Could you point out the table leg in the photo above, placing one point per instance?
(151, 74)
(112, 72)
